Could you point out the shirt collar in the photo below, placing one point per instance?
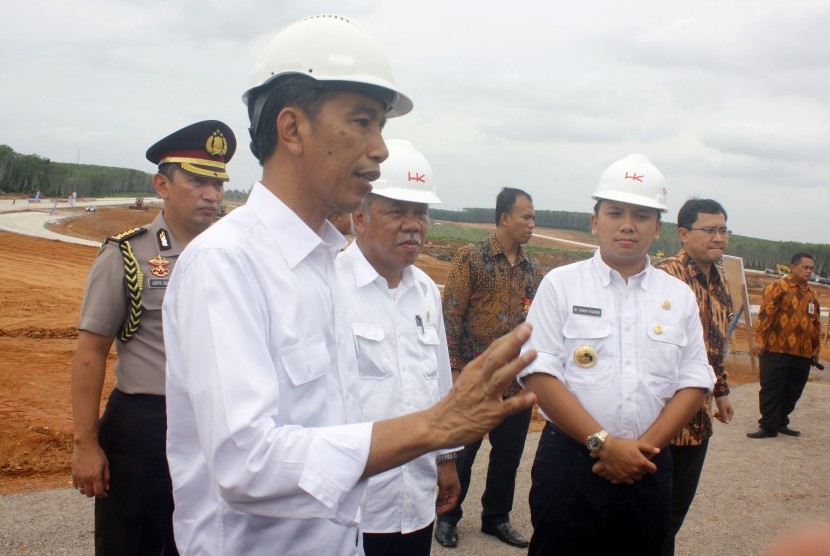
(495, 248)
(605, 272)
(296, 240)
(365, 273)
(159, 223)
(694, 268)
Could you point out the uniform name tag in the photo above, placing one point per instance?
(157, 283)
(811, 308)
(590, 311)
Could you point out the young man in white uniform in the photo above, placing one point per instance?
(621, 368)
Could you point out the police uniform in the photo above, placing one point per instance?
(123, 299)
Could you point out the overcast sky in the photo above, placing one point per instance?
(728, 99)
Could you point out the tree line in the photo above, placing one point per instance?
(758, 254)
(26, 174)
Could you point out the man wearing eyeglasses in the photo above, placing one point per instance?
(701, 225)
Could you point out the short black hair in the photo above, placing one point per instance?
(801, 255)
(299, 91)
(688, 213)
(599, 202)
(506, 199)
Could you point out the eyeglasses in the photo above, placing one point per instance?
(712, 231)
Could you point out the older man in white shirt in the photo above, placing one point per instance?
(395, 313)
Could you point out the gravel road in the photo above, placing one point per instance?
(750, 490)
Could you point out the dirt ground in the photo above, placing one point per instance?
(40, 295)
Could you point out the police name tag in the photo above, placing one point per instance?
(157, 283)
(590, 311)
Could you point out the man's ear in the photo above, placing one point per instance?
(659, 229)
(359, 219)
(593, 224)
(161, 184)
(292, 125)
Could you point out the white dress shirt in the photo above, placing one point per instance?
(404, 366)
(263, 402)
(646, 333)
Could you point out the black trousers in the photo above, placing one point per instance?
(688, 465)
(136, 518)
(416, 543)
(783, 378)
(577, 513)
(507, 443)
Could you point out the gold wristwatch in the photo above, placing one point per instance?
(596, 441)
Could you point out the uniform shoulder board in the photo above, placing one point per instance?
(124, 236)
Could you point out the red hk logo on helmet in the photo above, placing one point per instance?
(417, 177)
(634, 177)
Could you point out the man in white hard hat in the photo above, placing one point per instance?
(268, 448)
(621, 368)
(404, 365)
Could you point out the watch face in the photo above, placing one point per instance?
(594, 444)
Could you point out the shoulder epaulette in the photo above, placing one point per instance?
(124, 236)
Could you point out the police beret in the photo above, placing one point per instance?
(201, 149)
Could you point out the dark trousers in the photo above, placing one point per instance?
(783, 378)
(137, 515)
(416, 543)
(688, 465)
(575, 512)
(507, 443)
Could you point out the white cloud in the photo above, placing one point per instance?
(728, 99)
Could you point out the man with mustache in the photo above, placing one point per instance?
(488, 293)
(404, 366)
(120, 460)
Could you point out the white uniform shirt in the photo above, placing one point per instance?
(646, 333)
(404, 366)
(263, 399)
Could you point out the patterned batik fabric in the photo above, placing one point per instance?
(788, 320)
(715, 308)
(486, 297)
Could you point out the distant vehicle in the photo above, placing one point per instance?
(825, 281)
(91, 208)
(770, 271)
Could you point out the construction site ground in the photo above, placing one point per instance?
(40, 296)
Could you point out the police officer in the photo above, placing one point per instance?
(121, 460)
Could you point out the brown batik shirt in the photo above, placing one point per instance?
(486, 297)
(715, 310)
(788, 320)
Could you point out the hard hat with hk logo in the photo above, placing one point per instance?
(633, 180)
(406, 175)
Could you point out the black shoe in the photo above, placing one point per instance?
(446, 534)
(784, 429)
(506, 534)
(762, 433)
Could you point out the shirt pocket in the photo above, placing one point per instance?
(306, 360)
(152, 298)
(372, 360)
(664, 348)
(428, 341)
(588, 333)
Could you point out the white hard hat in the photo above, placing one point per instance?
(633, 180)
(330, 49)
(405, 175)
